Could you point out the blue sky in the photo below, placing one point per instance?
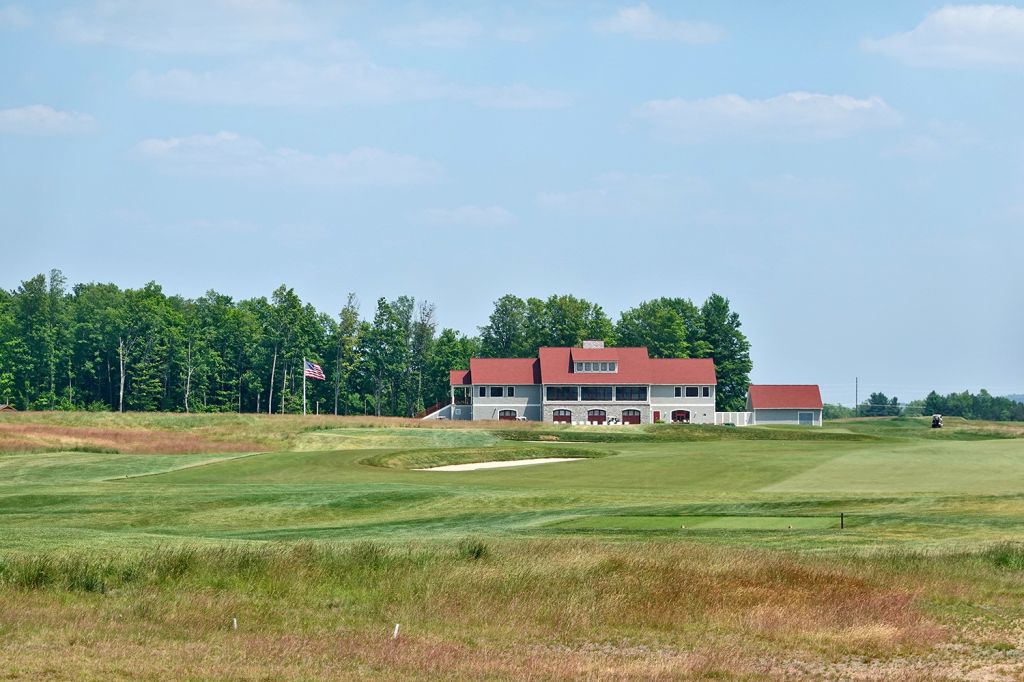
(848, 174)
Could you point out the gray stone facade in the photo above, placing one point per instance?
(613, 409)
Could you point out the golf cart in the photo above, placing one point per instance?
(936, 421)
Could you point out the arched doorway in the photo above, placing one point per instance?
(680, 416)
(596, 416)
(562, 416)
(507, 415)
(631, 416)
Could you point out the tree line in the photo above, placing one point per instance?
(99, 347)
(984, 405)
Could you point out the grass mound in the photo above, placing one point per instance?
(679, 433)
(428, 458)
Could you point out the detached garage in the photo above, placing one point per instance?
(797, 404)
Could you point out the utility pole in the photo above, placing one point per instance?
(856, 396)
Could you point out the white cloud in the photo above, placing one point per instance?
(513, 97)
(188, 26)
(449, 33)
(959, 35)
(292, 83)
(13, 16)
(229, 155)
(337, 79)
(625, 193)
(436, 33)
(640, 21)
(790, 115)
(469, 216)
(39, 119)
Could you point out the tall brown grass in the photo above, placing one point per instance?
(469, 610)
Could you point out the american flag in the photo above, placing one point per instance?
(314, 371)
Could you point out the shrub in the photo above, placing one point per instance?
(472, 549)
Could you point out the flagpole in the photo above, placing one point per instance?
(303, 386)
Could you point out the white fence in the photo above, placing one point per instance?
(737, 418)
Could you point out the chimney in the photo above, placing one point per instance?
(593, 344)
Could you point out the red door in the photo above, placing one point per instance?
(596, 416)
(631, 416)
(562, 416)
(507, 415)
(657, 415)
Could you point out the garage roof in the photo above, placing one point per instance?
(785, 396)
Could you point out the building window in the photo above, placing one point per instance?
(562, 393)
(483, 391)
(631, 393)
(679, 391)
(562, 416)
(596, 393)
(511, 392)
(706, 391)
(805, 418)
(595, 366)
(692, 391)
(497, 391)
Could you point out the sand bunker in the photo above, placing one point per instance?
(501, 465)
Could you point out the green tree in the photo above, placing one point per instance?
(506, 333)
(730, 349)
(346, 340)
(668, 327)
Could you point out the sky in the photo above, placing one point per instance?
(850, 175)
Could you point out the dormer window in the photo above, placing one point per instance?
(606, 367)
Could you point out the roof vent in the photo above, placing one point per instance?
(593, 344)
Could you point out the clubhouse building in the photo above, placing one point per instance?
(588, 385)
(598, 385)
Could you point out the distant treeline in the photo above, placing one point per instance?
(970, 406)
(100, 347)
(984, 405)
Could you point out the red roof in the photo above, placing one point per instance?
(460, 377)
(516, 371)
(785, 396)
(591, 354)
(555, 366)
(683, 371)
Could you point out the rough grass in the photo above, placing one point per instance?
(131, 566)
(428, 458)
(468, 610)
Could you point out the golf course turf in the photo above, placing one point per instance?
(668, 552)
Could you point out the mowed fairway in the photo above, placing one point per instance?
(658, 550)
(907, 491)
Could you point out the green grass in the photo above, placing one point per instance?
(436, 457)
(910, 490)
(706, 522)
(669, 551)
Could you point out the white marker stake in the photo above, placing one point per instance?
(234, 623)
(394, 635)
